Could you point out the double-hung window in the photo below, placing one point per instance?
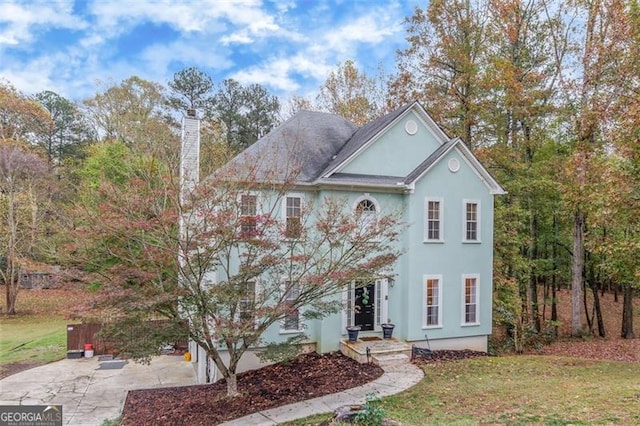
(291, 320)
(470, 299)
(433, 226)
(293, 216)
(433, 301)
(246, 302)
(471, 222)
(248, 212)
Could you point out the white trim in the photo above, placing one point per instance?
(301, 327)
(453, 164)
(380, 307)
(252, 308)
(258, 207)
(346, 310)
(283, 208)
(367, 197)
(384, 297)
(411, 127)
(464, 323)
(425, 220)
(465, 203)
(426, 277)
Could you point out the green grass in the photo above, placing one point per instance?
(37, 334)
(518, 390)
(32, 338)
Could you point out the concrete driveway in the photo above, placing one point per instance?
(91, 390)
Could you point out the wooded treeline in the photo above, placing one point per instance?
(546, 93)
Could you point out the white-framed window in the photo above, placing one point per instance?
(367, 210)
(432, 290)
(470, 291)
(292, 213)
(433, 219)
(291, 321)
(471, 221)
(248, 212)
(246, 302)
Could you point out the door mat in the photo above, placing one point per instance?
(370, 338)
(111, 365)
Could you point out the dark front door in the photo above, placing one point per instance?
(364, 306)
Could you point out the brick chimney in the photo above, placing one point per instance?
(189, 153)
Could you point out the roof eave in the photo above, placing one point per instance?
(398, 187)
(492, 185)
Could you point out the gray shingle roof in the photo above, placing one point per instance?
(310, 145)
(301, 147)
(432, 159)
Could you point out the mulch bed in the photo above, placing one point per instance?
(308, 376)
(447, 355)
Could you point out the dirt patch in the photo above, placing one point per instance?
(16, 367)
(308, 376)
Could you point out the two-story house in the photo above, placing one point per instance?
(442, 283)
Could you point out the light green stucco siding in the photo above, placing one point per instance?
(452, 257)
(395, 153)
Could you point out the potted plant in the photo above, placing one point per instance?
(352, 331)
(387, 330)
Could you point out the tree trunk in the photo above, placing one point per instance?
(586, 309)
(627, 312)
(12, 288)
(554, 296)
(596, 301)
(598, 311)
(232, 384)
(577, 268)
(11, 276)
(533, 284)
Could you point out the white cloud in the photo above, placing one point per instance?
(21, 20)
(288, 47)
(312, 61)
(282, 73)
(239, 37)
(159, 57)
(369, 29)
(201, 16)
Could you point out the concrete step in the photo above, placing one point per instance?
(390, 359)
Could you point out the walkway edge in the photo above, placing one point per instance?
(395, 379)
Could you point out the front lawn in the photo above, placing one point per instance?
(32, 339)
(37, 334)
(518, 390)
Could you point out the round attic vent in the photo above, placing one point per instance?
(454, 165)
(411, 127)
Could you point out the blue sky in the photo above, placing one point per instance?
(77, 48)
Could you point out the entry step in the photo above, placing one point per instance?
(390, 359)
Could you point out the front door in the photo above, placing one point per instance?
(365, 307)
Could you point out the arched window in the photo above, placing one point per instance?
(367, 213)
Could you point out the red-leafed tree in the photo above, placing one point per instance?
(240, 269)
